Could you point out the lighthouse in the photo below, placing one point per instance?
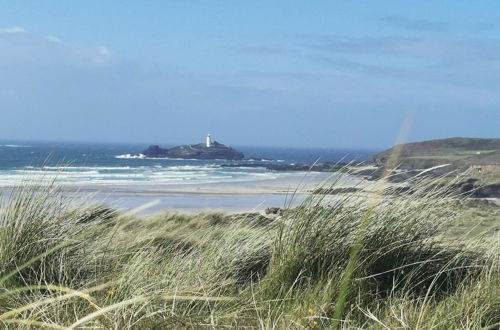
(209, 141)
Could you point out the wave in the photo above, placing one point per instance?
(130, 175)
(60, 172)
(185, 159)
(14, 146)
(78, 168)
(193, 167)
(141, 156)
(131, 156)
(98, 168)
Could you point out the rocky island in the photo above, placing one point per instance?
(208, 150)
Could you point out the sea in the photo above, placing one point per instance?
(122, 169)
(108, 163)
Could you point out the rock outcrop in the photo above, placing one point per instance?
(196, 151)
(303, 167)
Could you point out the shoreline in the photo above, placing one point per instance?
(237, 196)
(229, 197)
(243, 196)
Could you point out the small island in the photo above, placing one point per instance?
(207, 150)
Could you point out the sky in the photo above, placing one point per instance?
(329, 74)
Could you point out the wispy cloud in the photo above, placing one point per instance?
(485, 26)
(434, 26)
(14, 29)
(261, 49)
(21, 46)
(86, 92)
(429, 47)
(415, 24)
(53, 39)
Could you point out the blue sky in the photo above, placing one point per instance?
(276, 73)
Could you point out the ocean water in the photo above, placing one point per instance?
(93, 164)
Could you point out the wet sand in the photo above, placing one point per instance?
(227, 197)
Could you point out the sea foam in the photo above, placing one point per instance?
(130, 156)
(14, 146)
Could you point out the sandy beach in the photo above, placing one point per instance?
(285, 190)
(250, 196)
(236, 196)
(227, 197)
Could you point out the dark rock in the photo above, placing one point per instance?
(487, 191)
(274, 210)
(155, 151)
(304, 167)
(469, 187)
(197, 151)
(396, 176)
(472, 188)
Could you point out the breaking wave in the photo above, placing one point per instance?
(14, 146)
(130, 156)
(129, 175)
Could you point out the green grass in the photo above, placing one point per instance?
(477, 221)
(483, 178)
(65, 263)
(486, 177)
(458, 152)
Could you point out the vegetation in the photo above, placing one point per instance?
(486, 177)
(377, 261)
(459, 152)
(477, 221)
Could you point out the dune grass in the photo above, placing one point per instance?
(65, 263)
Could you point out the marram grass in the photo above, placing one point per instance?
(68, 264)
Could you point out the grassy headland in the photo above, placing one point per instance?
(67, 265)
(459, 152)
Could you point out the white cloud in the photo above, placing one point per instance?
(85, 92)
(53, 39)
(24, 49)
(104, 51)
(14, 29)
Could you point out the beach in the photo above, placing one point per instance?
(250, 196)
(283, 191)
(110, 174)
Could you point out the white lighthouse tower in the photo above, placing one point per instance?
(209, 141)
